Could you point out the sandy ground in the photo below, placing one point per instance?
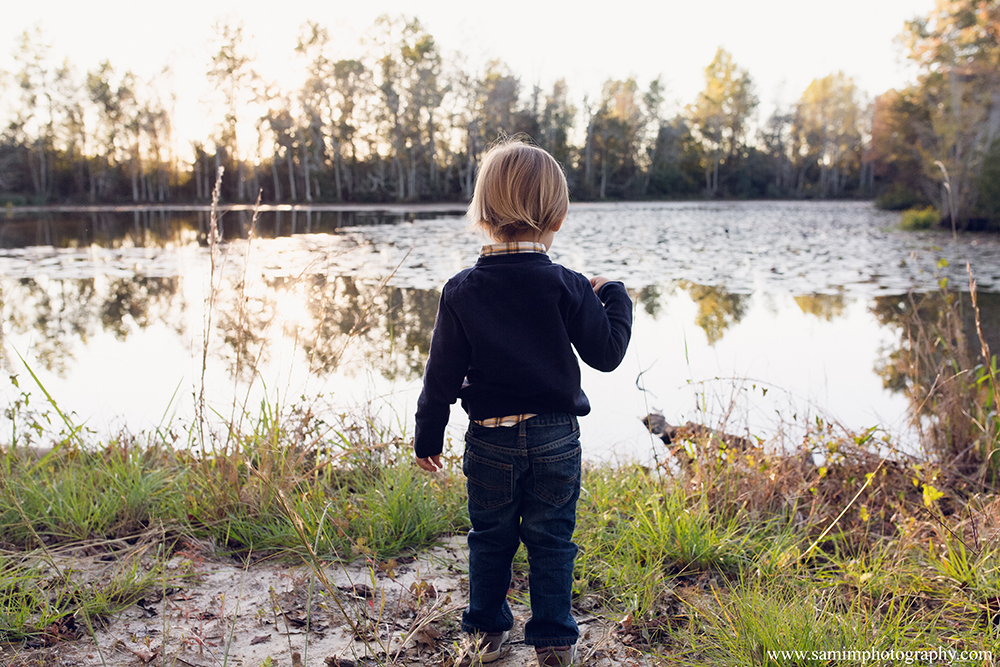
(208, 613)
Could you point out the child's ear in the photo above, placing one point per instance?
(556, 227)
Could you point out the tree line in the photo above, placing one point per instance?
(400, 123)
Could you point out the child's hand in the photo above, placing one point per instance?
(597, 282)
(431, 463)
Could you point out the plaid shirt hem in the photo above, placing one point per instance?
(512, 248)
(509, 420)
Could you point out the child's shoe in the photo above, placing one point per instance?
(491, 645)
(555, 656)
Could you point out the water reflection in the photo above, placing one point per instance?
(63, 315)
(718, 310)
(325, 316)
(915, 317)
(390, 326)
(938, 363)
(343, 303)
(133, 303)
(160, 228)
(343, 327)
(824, 306)
(56, 315)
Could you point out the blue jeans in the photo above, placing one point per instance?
(523, 483)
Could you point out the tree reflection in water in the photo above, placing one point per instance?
(307, 307)
(824, 306)
(717, 309)
(937, 361)
(390, 326)
(64, 312)
(160, 228)
(326, 317)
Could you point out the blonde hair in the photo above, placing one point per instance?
(519, 187)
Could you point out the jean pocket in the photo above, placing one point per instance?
(557, 477)
(488, 482)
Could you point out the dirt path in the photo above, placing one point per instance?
(208, 613)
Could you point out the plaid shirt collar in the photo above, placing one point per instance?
(512, 248)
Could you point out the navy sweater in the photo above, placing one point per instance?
(503, 342)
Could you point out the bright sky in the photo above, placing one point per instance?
(783, 43)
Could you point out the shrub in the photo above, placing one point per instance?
(898, 198)
(920, 218)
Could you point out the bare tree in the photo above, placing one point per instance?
(231, 74)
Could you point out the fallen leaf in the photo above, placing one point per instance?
(145, 656)
(339, 662)
(423, 588)
(359, 590)
(427, 636)
(626, 623)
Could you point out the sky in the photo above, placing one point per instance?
(783, 43)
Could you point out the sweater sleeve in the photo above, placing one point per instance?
(447, 365)
(600, 332)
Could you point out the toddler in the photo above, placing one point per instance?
(503, 343)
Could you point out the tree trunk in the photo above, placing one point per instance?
(210, 185)
(652, 163)
(993, 124)
(318, 161)
(433, 167)
(43, 168)
(291, 173)
(588, 154)
(31, 169)
(604, 173)
(400, 182)
(470, 163)
(715, 173)
(241, 178)
(274, 177)
(337, 184)
(135, 180)
(93, 180)
(197, 178)
(305, 173)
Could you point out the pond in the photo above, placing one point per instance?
(761, 315)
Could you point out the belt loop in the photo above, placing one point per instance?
(522, 435)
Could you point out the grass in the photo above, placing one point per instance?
(47, 600)
(707, 566)
(370, 497)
